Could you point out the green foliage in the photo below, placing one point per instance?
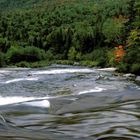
(132, 57)
(59, 42)
(14, 4)
(23, 64)
(132, 60)
(98, 56)
(89, 63)
(36, 64)
(4, 45)
(72, 54)
(29, 54)
(135, 68)
(77, 30)
(123, 67)
(77, 24)
(2, 59)
(112, 29)
(111, 58)
(134, 38)
(64, 62)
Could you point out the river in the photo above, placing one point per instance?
(68, 103)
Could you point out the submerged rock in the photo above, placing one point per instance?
(129, 76)
(102, 77)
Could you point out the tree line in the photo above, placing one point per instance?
(77, 30)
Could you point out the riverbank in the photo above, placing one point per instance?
(89, 64)
(45, 63)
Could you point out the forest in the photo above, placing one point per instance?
(35, 33)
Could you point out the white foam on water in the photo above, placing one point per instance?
(108, 69)
(15, 99)
(4, 71)
(32, 101)
(14, 69)
(62, 71)
(43, 103)
(21, 79)
(128, 112)
(96, 89)
(18, 68)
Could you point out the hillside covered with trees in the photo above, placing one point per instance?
(34, 32)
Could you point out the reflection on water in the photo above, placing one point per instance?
(67, 103)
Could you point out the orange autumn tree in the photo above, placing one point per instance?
(119, 53)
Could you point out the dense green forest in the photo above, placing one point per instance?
(36, 32)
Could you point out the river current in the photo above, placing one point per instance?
(68, 103)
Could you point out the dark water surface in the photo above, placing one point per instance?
(67, 103)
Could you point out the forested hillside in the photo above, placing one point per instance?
(76, 30)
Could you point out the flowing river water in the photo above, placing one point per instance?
(68, 103)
